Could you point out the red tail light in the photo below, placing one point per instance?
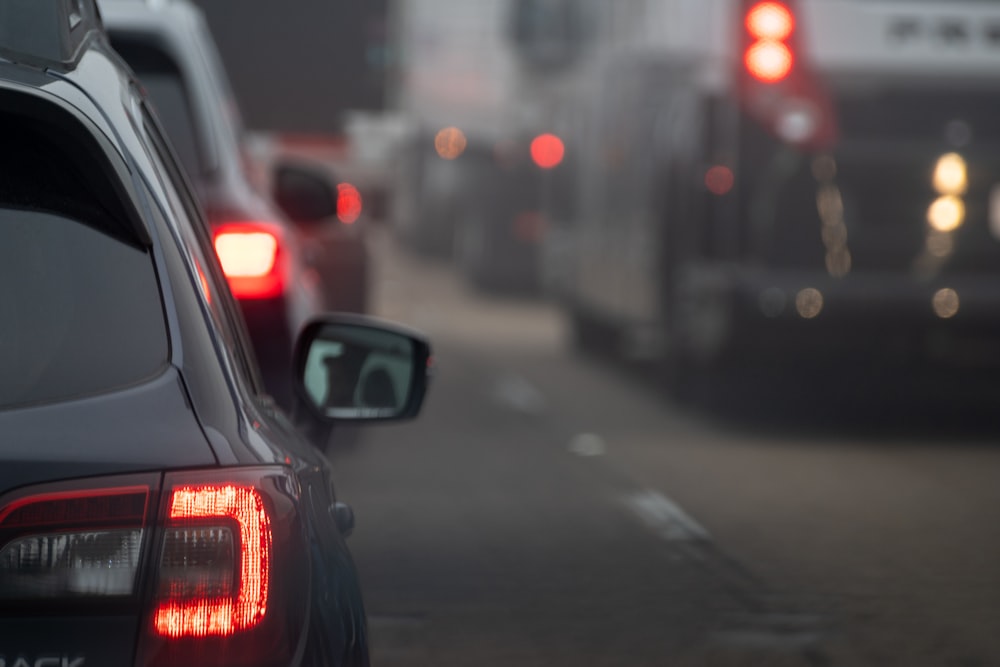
(195, 602)
(769, 62)
(547, 150)
(231, 570)
(769, 58)
(348, 203)
(252, 258)
(777, 87)
(217, 563)
(770, 21)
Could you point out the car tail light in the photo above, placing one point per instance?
(229, 568)
(252, 258)
(348, 203)
(58, 544)
(547, 151)
(215, 564)
(769, 58)
(216, 561)
(777, 87)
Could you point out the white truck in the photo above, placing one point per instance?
(762, 183)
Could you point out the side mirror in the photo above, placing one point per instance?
(358, 368)
(304, 194)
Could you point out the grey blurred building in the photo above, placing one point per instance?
(297, 65)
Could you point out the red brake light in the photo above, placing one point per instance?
(348, 203)
(231, 571)
(769, 62)
(250, 254)
(547, 150)
(195, 511)
(769, 57)
(770, 21)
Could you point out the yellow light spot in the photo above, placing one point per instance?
(946, 214)
(809, 302)
(450, 143)
(945, 303)
(950, 175)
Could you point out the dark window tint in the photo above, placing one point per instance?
(80, 310)
(161, 77)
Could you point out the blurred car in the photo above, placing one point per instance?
(156, 507)
(282, 263)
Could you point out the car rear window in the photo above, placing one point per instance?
(80, 306)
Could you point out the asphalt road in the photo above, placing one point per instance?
(549, 509)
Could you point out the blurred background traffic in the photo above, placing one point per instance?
(714, 289)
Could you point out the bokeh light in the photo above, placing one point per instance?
(950, 175)
(547, 150)
(771, 21)
(946, 214)
(450, 143)
(719, 180)
(769, 61)
(809, 302)
(348, 203)
(945, 303)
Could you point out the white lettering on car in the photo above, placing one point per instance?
(45, 661)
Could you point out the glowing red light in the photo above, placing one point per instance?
(250, 254)
(348, 203)
(770, 21)
(768, 61)
(222, 616)
(719, 180)
(547, 150)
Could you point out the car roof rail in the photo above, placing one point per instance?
(47, 33)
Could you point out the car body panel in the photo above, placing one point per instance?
(203, 409)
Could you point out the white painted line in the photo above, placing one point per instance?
(515, 392)
(665, 517)
(588, 444)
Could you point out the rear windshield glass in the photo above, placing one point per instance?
(79, 310)
(80, 307)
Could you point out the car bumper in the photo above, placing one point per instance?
(875, 318)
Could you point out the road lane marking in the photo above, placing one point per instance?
(588, 444)
(516, 393)
(665, 517)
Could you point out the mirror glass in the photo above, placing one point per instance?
(356, 372)
(304, 194)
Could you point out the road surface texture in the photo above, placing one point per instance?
(551, 509)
